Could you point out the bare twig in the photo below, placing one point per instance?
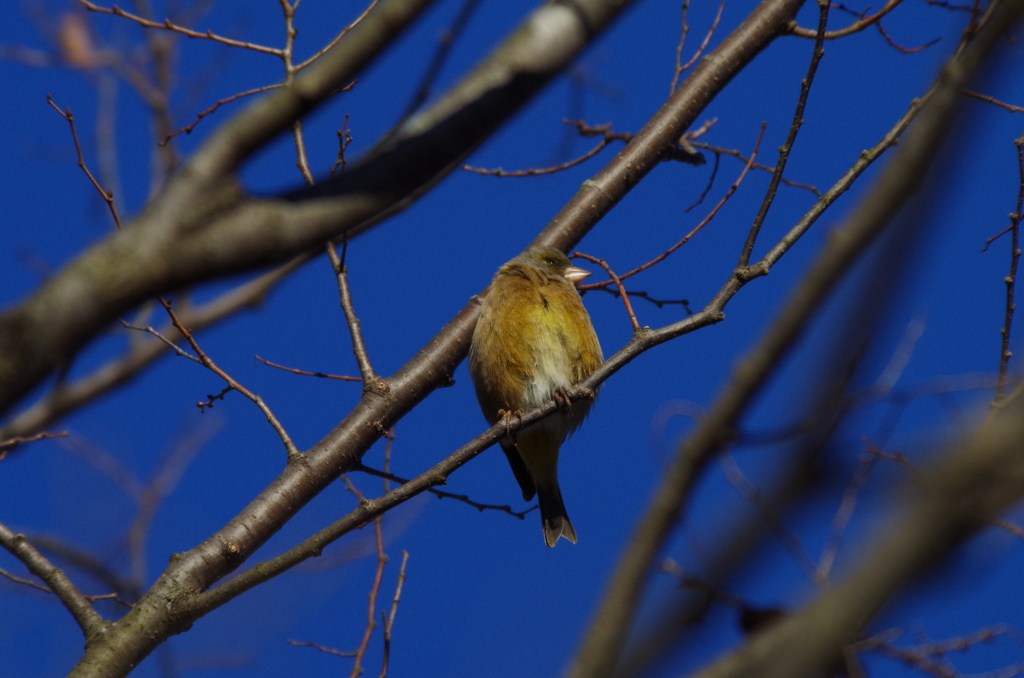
(167, 25)
(921, 656)
(389, 619)
(345, 31)
(24, 582)
(370, 378)
(899, 48)
(108, 196)
(322, 648)
(6, 445)
(293, 370)
(148, 329)
(344, 139)
(711, 215)
(88, 563)
(1011, 277)
(855, 27)
(618, 283)
(739, 156)
(371, 615)
(684, 30)
(441, 494)
(187, 129)
(993, 100)
(498, 172)
(660, 303)
(784, 150)
(586, 130)
(293, 451)
(700, 50)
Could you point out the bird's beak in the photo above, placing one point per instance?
(576, 275)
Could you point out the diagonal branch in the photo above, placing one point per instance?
(77, 604)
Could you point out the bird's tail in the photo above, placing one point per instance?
(553, 516)
(538, 449)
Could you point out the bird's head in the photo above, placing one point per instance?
(553, 262)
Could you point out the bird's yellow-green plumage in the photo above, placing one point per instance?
(533, 339)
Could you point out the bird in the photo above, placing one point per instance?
(533, 340)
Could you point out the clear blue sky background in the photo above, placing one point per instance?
(484, 597)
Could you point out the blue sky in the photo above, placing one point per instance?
(483, 594)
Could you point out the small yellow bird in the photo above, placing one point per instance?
(533, 340)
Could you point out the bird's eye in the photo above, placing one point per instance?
(550, 262)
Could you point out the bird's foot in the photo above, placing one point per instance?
(506, 417)
(562, 399)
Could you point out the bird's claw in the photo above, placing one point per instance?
(562, 399)
(506, 417)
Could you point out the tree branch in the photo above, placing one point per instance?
(77, 604)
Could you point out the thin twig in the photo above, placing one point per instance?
(345, 31)
(707, 188)
(344, 139)
(921, 656)
(899, 48)
(498, 172)
(441, 494)
(370, 378)
(684, 30)
(997, 236)
(700, 50)
(293, 370)
(25, 582)
(6, 445)
(660, 303)
(292, 450)
(167, 25)
(1011, 278)
(618, 283)
(389, 620)
(322, 648)
(784, 150)
(187, 129)
(301, 159)
(44, 589)
(108, 196)
(739, 156)
(371, 615)
(586, 130)
(993, 100)
(661, 257)
(855, 27)
(148, 329)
